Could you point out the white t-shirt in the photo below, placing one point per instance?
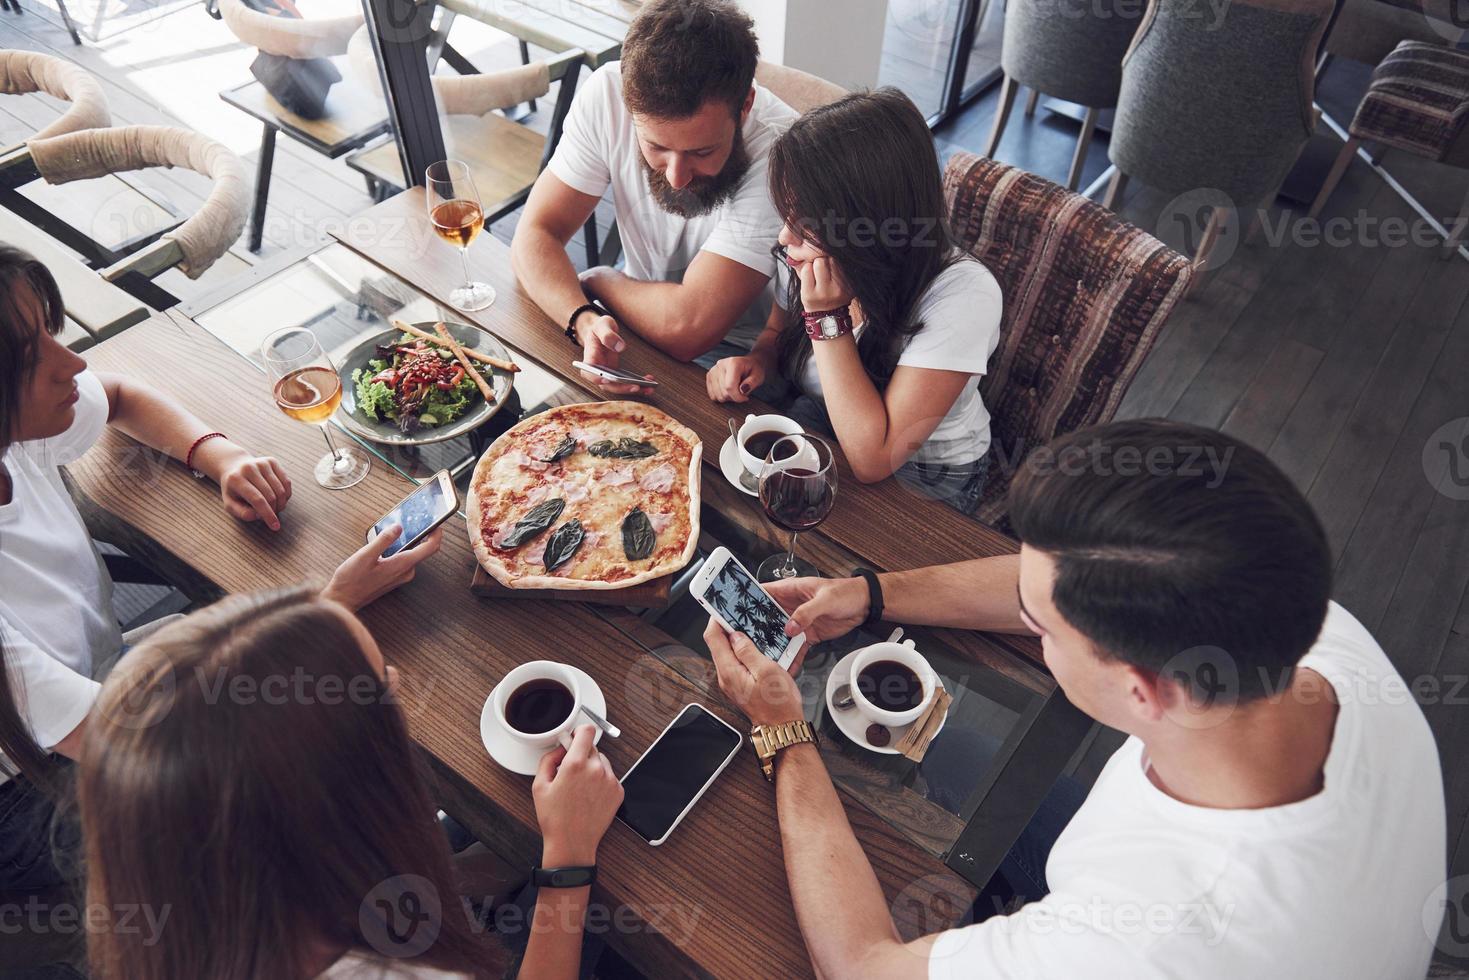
(599, 147)
(1144, 886)
(960, 311)
(55, 595)
(361, 966)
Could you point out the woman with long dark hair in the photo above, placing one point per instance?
(886, 325)
(57, 626)
(294, 836)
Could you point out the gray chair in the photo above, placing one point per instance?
(1075, 55)
(1222, 106)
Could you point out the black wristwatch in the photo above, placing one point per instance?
(564, 877)
(874, 596)
(571, 323)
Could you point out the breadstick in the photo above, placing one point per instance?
(479, 379)
(469, 352)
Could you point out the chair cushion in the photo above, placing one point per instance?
(1418, 100)
(1085, 296)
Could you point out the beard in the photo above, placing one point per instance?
(702, 194)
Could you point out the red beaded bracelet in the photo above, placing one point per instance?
(189, 457)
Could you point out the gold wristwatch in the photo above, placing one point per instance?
(770, 739)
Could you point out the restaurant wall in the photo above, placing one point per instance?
(839, 40)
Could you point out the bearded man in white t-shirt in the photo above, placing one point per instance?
(681, 133)
(1278, 810)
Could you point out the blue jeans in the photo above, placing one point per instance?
(40, 844)
(948, 768)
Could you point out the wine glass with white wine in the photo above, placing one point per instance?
(308, 389)
(457, 217)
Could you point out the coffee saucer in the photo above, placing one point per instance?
(515, 755)
(732, 468)
(850, 722)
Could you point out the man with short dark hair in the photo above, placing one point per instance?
(680, 132)
(1278, 810)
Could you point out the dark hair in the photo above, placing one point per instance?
(680, 54)
(20, 338)
(845, 175)
(1169, 538)
(271, 826)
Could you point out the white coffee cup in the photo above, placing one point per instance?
(533, 671)
(755, 465)
(904, 654)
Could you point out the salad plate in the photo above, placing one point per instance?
(439, 415)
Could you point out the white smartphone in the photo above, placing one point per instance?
(683, 761)
(433, 503)
(613, 374)
(741, 605)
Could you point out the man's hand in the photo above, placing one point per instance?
(252, 487)
(576, 796)
(732, 379)
(758, 686)
(822, 608)
(823, 288)
(602, 345)
(367, 575)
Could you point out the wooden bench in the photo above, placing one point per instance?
(94, 306)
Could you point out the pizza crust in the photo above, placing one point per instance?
(508, 441)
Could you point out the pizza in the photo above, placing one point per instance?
(601, 495)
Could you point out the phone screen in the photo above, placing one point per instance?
(418, 512)
(744, 605)
(674, 771)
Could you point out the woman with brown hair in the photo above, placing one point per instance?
(250, 777)
(886, 325)
(57, 625)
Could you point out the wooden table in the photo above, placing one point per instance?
(712, 901)
(596, 27)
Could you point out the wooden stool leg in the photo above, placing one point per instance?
(1007, 102)
(1217, 218)
(525, 60)
(1035, 96)
(1083, 143)
(1114, 190)
(262, 186)
(1458, 230)
(1348, 150)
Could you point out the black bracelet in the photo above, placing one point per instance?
(874, 596)
(571, 323)
(564, 877)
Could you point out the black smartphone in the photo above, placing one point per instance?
(663, 785)
(433, 503)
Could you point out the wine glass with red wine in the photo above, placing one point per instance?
(797, 489)
(454, 209)
(308, 388)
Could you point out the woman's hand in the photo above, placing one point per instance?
(822, 608)
(252, 487)
(576, 796)
(732, 379)
(823, 288)
(367, 575)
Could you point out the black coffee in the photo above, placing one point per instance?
(538, 706)
(890, 685)
(758, 445)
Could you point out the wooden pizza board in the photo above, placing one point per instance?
(647, 595)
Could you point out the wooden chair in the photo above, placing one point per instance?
(1085, 297)
(103, 302)
(1223, 106)
(1075, 56)
(1418, 102)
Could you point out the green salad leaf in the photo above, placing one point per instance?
(373, 397)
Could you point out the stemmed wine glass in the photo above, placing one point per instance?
(308, 389)
(456, 214)
(798, 486)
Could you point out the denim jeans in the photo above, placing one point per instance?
(40, 846)
(960, 485)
